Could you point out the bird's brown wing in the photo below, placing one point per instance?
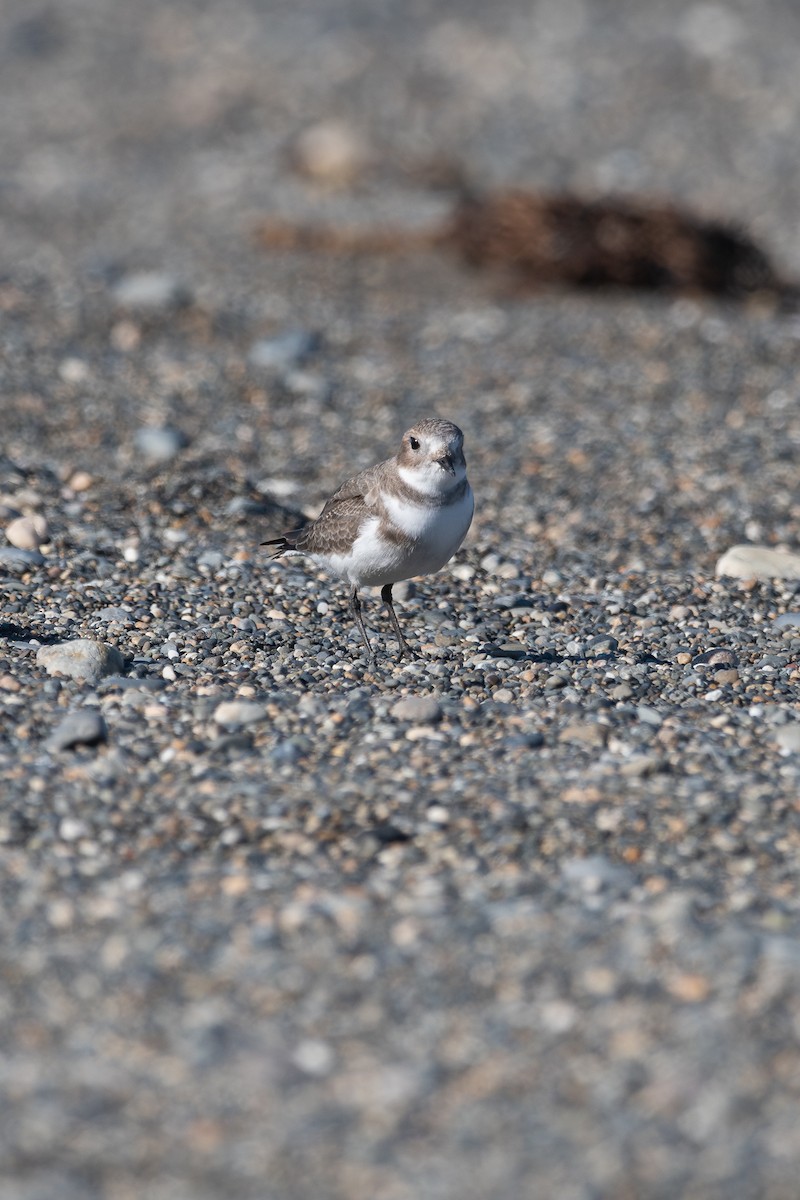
(337, 526)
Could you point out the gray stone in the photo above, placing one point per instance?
(595, 873)
(419, 710)
(114, 613)
(150, 290)
(213, 559)
(15, 559)
(70, 829)
(640, 766)
(233, 714)
(601, 644)
(159, 445)
(311, 385)
(758, 562)
(286, 753)
(787, 620)
(787, 737)
(84, 727)
(587, 733)
(727, 676)
(83, 659)
(286, 350)
(405, 589)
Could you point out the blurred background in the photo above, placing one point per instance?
(143, 144)
(144, 132)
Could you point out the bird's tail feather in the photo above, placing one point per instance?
(287, 541)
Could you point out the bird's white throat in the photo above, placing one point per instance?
(431, 479)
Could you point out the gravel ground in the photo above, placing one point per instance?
(519, 917)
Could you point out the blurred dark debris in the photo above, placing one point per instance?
(546, 240)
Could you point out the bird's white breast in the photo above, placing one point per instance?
(434, 532)
(430, 537)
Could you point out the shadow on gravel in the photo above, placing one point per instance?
(17, 633)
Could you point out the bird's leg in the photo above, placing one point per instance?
(386, 597)
(355, 605)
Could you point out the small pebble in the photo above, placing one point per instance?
(787, 620)
(70, 829)
(586, 732)
(80, 481)
(729, 676)
(313, 1058)
(115, 614)
(286, 350)
(159, 445)
(437, 814)
(73, 370)
(150, 290)
(330, 152)
(594, 873)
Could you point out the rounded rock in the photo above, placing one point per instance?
(233, 714)
(759, 562)
(150, 290)
(285, 350)
(419, 710)
(85, 727)
(329, 152)
(28, 533)
(83, 659)
(160, 445)
(18, 560)
(787, 620)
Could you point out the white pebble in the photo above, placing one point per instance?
(437, 814)
(759, 562)
(71, 829)
(149, 290)
(159, 445)
(329, 152)
(234, 713)
(73, 370)
(28, 533)
(313, 1057)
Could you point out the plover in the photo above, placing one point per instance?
(403, 517)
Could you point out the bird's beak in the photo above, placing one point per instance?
(447, 462)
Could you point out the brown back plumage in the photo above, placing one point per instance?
(337, 526)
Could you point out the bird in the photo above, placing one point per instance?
(403, 517)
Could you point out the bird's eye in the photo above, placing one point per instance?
(414, 443)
